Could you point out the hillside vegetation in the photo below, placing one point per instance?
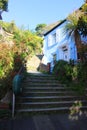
(15, 46)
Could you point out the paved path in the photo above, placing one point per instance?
(46, 122)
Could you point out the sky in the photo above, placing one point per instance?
(30, 13)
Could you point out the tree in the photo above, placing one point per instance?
(72, 27)
(82, 26)
(82, 22)
(3, 6)
(39, 29)
(77, 26)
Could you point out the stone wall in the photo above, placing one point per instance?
(44, 68)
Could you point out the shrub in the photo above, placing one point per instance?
(6, 60)
(6, 66)
(63, 70)
(75, 76)
(82, 71)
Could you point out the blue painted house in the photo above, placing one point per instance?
(57, 45)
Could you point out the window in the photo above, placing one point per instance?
(65, 53)
(64, 48)
(51, 40)
(54, 38)
(54, 58)
(58, 35)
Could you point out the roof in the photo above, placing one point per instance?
(52, 26)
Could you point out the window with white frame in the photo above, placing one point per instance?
(54, 38)
(54, 58)
(65, 53)
(57, 35)
(51, 39)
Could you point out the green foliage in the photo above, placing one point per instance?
(39, 29)
(12, 56)
(82, 71)
(75, 76)
(77, 26)
(6, 60)
(84, 7)
(82, 22)
(9, 27)
(6, 66)
(1, 37)
(63, 71)
(77, 22)
(77, 86)
(4, 5)
(71, 28)
(26, 40)
(82, 25)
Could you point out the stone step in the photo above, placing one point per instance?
(49, 98)
(41, 109)
(44, 88)
(39, 74)
(60, 109)
(46, 77)
(43, 93)
(51, 104)
(42, 85)
(31, 80)
(47, 93)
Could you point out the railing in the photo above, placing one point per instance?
(16, 87)
(13, 105)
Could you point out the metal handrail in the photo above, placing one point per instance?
(14, 95)
(13, 105)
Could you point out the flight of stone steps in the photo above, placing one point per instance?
(43, 93)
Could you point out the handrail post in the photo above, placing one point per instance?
(13, 105)
(16, 89)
